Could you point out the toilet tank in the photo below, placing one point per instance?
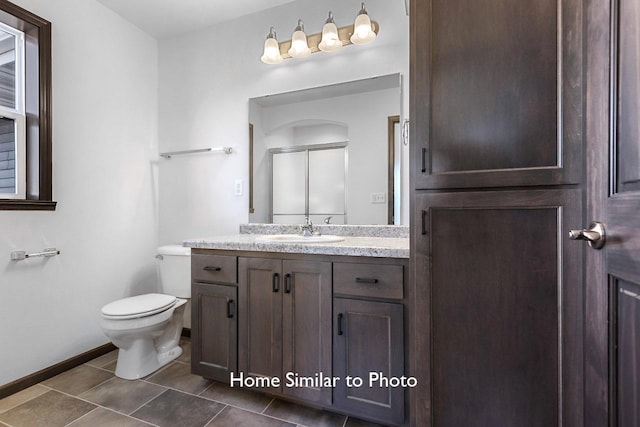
(174, 263)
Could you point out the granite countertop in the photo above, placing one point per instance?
(366, 245)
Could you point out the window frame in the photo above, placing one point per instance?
(37, 104)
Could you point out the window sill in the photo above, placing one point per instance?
(27, 205)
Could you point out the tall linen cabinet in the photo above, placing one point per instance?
(497, 122)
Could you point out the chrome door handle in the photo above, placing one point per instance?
(595, 235)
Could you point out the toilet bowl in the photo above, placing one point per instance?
(147, 328)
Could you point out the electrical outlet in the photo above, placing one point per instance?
(378, 198)
(237, 187)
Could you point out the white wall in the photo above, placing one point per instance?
(104, 141)
(206, 79)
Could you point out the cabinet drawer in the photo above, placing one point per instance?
(368, 280)
(214, 268)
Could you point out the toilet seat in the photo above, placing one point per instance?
(138, 306)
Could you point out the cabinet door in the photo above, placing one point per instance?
(500, 309)
(496, 93)
(260, 335)
(306, 327)
(368, 339)
(214, 341)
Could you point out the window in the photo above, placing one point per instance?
(13, 177)
(25, 110)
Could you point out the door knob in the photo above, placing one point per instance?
(595, 235)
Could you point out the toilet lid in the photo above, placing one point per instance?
(138, 306)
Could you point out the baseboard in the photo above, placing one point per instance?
(52, 371)
(58, 368)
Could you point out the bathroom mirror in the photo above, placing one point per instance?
(331, 153)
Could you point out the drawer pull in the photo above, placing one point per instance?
(230, 308)
(288, 279)
(366, 280)
(276, 282)
(212, 268)
(340, 316)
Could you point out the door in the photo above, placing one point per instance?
(612, 276)
(327, 184)
(289, 187)
(306, 327)
(309, 181)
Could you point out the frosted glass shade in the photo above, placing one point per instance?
(271, 53)
(362, 30)
(330, 40)
(299, 47)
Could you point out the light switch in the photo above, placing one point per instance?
(238, 187)
(378, 198)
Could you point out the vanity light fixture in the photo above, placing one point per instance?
(332, 38)
(299, 47)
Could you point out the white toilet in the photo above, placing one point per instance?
(147, 328)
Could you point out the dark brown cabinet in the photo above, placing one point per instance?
(260, 335)
(214, 338)
(214, 315)
(368, 345)
(265, 315)
(496, 93)
(285, 327)
(497, 112)
(368, 340)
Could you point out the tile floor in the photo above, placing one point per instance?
(90, 395)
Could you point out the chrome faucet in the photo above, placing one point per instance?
(327, 220)
(307, 229)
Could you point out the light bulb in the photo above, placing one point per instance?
(299, 47)
(271, 54)
(362, 30)
(330, 39)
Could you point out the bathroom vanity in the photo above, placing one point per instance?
(306, 321)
